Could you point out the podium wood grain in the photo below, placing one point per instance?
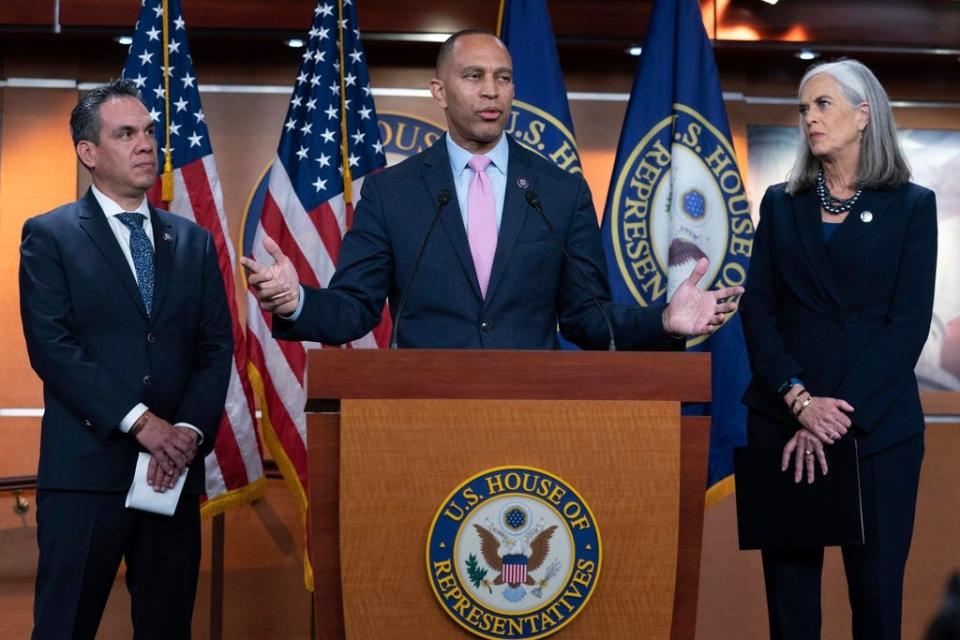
(401, 458)
(506, 375)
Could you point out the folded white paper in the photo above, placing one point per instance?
(144, 497)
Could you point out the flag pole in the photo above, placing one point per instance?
(344, 148)
(166, 179)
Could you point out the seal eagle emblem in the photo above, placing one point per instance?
(513, 552)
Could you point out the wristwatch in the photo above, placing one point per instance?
(784, 388)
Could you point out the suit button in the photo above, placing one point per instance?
(147, 379)
(486, 326)
(151, 338)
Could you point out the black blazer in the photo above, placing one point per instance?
(97, 352)
(531, 289)
(850, 317)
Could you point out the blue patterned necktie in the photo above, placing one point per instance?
(142, 252)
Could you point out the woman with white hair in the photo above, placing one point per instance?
(837, 309)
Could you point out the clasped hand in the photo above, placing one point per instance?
(171, 450)
(824, 421)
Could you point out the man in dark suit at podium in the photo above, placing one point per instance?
(127, 325)
(493, 274)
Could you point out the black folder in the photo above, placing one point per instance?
(775, 512)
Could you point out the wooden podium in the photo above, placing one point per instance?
(392, 433)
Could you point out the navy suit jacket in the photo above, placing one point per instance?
(849, 318)
(531, 288)
(97, 352)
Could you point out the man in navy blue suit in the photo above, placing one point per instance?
(492, 273)
(127, 325)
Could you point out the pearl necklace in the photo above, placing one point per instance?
(830, 203)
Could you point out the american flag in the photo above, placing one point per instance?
(329, 142)
(234, 470)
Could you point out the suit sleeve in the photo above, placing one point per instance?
(206, 390)
(61, 361)
(634, 327)
(887, 362)
(353, 303)
(769, 359)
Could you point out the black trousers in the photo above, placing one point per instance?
(889, 481)
(82, 538)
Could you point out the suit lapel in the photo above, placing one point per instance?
(438, 176)
(806, 212)
(865, 215)
(514, 211)
(164, 244)
(94, 222)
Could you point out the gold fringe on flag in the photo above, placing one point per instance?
(287, 469)
(234, 498)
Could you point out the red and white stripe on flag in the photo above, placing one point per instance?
(234, 470)
(329, 142)
(160, 65)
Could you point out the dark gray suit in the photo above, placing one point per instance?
(98, 354)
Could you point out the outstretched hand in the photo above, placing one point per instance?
(276, 286)
(693, 312)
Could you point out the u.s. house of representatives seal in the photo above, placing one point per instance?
(513, 552)
(679, 198)
(544, 134)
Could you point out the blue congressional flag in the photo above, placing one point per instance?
(676, 196)
(540, 120)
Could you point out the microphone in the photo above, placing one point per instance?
(534, 201)
(443, 198)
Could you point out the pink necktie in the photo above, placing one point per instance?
(481, 220)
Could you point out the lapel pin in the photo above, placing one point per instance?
(167, 236)
(522, 182)
(866, 216)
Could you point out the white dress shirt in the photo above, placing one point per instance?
(122, 233)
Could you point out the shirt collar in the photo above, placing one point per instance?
(111, 208)
(459, 157)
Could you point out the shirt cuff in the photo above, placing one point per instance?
(192, 428)
(132, 416)
(296, 312)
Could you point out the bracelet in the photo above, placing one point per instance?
(793, 405)
(139, 424)
(803, 406)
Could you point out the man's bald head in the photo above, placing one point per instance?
(446, 49)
